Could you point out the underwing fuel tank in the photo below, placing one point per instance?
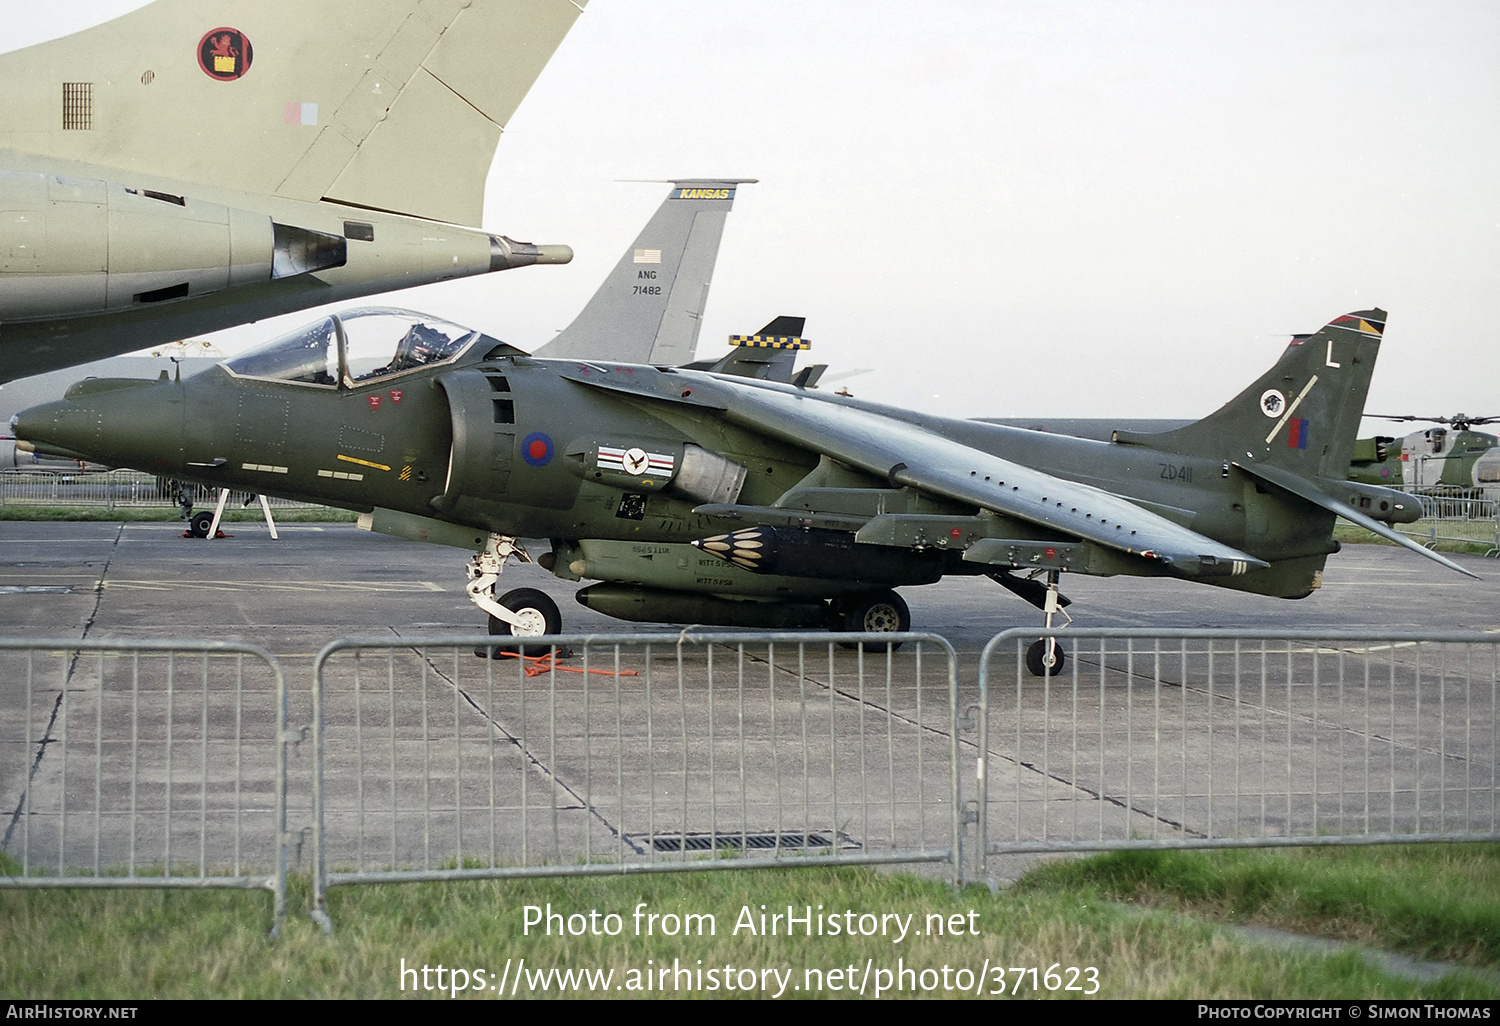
(650, 605)
(812, 552)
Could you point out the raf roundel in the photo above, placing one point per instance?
(224, 54)
(536, 449)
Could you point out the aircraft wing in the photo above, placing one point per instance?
(913, 456)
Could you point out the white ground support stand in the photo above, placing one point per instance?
(265, 507)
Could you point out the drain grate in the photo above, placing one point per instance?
(749, 840)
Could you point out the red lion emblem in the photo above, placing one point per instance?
(224, 54)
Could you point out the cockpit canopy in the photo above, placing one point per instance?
(354, 347)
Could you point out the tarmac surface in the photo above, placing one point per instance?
(637, 763)
(324, 581)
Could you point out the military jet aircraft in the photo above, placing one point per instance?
(197, 164)
(736, 493)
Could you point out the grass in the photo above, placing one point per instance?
(177, 944)
(1437, 902)
(1480, 532)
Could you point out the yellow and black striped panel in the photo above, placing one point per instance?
(770, 341)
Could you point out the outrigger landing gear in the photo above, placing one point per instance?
(522, 613)
(1045, 657)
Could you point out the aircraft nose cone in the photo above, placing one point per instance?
(116, 422)
(57, 429)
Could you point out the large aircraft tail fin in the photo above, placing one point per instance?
(1300, 416)
(395, 106)
(650, 307)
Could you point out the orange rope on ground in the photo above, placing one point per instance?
(538, 665)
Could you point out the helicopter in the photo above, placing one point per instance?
(1442, 460)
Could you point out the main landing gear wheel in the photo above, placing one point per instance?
(1045, 658)
(200, 522)
(875, 613)
(538, 614)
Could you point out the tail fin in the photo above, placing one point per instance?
(650, 307)
(1295, 427)
(1301, 416)
(396, 105)
(768, 355)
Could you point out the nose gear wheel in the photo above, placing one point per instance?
(536, 614)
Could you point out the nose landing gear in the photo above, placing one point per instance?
(200, 523)
(521, 613)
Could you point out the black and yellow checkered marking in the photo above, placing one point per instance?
(770, 341)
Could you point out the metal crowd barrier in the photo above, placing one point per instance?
(632, 753)
(143, 764)
(107, 489)
(1468, 504)
(1470, 532)
(165, 764)
(1215, 738)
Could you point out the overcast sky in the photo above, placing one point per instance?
(1021, 208)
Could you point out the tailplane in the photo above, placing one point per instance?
(650, 307)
